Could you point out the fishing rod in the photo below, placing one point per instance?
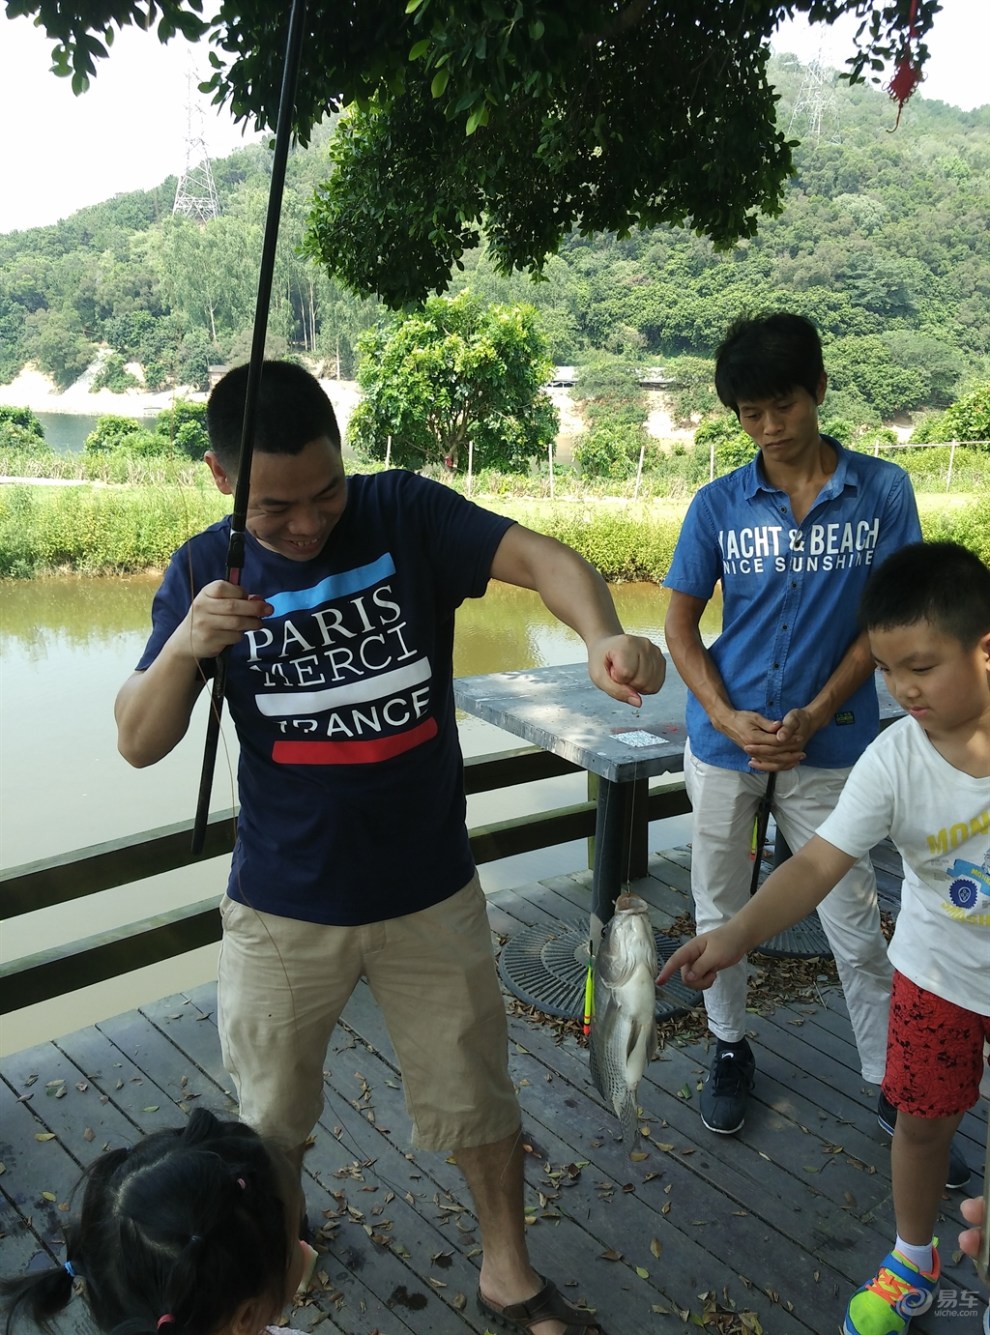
(760, 824)
(238, 518)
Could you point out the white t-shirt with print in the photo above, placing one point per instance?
(939, 819)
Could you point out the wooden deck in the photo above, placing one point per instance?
(767, 1231)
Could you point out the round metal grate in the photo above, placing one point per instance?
(804, 939)
(546, 967)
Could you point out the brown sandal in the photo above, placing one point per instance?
(547, 1305)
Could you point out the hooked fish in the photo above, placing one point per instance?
(623, 1024)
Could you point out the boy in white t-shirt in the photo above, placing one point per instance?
(925, 783)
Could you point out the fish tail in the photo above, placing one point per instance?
(628, 1119)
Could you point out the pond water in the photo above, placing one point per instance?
(69, 642)
(66, 432)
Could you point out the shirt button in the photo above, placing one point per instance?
(776, 665)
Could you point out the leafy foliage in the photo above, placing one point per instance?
(969, 418)
(120, 435)
(615, 408)
(457, 372)
(113, 374)
(455, 100)
(182, 427)
(876, 242)
(20, 431)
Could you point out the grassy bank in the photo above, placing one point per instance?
(93, 529)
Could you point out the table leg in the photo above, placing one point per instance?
(612, 827)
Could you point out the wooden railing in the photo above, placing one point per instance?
(87, 871)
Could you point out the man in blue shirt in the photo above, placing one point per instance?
(787, 687)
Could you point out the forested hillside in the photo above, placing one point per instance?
(883, 242)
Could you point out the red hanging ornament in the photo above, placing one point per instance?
(907, 72)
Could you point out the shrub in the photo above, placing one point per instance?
(182, 427)
(113, 374)
(609, 451)
(969, 526)
(98, 530)
(21, 432)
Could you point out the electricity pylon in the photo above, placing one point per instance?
(196, 193)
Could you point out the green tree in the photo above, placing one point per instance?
(458, 372)
(56, 341)
(121, 435)
(869, 367)
(629, 114)
(113, 374)
(183, 427)
(20, 430)
(733, 447)
(969, 417)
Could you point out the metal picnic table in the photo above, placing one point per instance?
(562, 711)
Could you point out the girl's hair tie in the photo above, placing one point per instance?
(167, 1320)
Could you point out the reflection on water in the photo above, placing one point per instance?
(66, 432)
(68, 643)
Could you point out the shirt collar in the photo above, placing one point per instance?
(755, 482)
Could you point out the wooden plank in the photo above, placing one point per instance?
(369, 1280)
(506, 769)
(72, 1102)
(110, 954)
(582, 1220)
(86, 871)
(527, 834)
(800, 1201)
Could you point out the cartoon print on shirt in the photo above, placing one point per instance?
(969, 882)
(335, 675)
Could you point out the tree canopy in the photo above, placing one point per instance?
(455, 374)
(516, 120)
(878, 240)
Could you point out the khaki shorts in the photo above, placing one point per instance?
(282, 985)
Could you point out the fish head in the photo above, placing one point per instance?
(630, 903)
(627, 939)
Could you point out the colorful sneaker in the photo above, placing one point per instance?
(898, 1292)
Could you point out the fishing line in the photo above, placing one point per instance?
(235, 549)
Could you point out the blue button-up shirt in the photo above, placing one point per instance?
(790, 593)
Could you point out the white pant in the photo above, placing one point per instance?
(724, 803)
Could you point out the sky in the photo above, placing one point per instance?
(128, 132)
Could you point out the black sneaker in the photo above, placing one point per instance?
(727, 1086)
(958, 1173)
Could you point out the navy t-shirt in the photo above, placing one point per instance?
(350, 778)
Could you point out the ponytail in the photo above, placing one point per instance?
(38, 1296)
(173, 1236)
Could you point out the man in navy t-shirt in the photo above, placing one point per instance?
(352, 857)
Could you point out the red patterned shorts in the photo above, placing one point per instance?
(934, 1052)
